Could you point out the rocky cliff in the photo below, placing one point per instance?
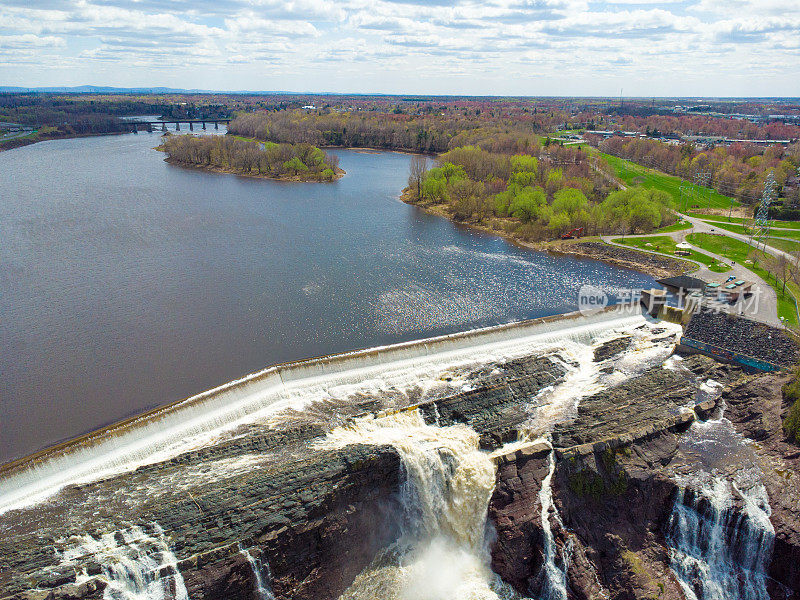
(615, 485)
(271, 503)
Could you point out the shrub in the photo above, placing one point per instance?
(791, 424)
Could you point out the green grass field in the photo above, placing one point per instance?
(679, 226)
(785, 245)
(740, 252)
(666, 245)
(741, 229)
(741, 221)
(632, 174)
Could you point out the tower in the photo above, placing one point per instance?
(762, 225)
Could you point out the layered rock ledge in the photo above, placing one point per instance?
(318, 516)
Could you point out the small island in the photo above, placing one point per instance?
(242, 156)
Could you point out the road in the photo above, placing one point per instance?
(764, 308)
(701, 226)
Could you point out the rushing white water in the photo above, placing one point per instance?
(719, 532)
(135, 565)
(443, 551)
(554, 580)
(262, 586)
(200, 420)
(720, 552)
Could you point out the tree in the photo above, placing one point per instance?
(295, 164)
(527, 203)
(524, 163)
(417, 170)
(570, 201)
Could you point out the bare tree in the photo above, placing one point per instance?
(417, 170)
(783, 269)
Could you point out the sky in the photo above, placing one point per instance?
(460, 47)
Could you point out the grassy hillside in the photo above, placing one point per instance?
(632, 173)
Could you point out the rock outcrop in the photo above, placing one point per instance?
(316, 516)
(756, 408)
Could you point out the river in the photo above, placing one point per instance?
(127, 283)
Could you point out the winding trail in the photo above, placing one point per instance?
(767, 306)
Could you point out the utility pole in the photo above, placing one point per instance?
(702, 179)
(762, 224)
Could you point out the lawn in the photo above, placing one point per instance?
(679, 226)
(632, 174)
(739, 252)
(666, 245)
(741, 221)
(741, 229)
(785, 245)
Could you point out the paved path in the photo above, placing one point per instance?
(701, 226)
(11, 136)
(766, 307)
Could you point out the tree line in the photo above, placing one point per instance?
(228, 153)
(696, 125)
(428, 133)
(537, 195)
(738, 170)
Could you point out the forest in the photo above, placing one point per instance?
(413, 132)
(738, 170)
(300, 162)
(704, 125)
(536, 193)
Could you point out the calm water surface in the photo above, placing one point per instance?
(126, 283)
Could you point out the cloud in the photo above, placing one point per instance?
(29, 40)
(359, 41)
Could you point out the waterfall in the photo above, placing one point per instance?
(135, 565)
(443, 551)
(554, 578)
(719, 551)
(719, 532)
(171, 430)
(262, 587)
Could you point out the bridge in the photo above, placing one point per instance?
(162, 125)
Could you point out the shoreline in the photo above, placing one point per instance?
(25, 141)
(591, 248)
(285, 178)
(291, 373)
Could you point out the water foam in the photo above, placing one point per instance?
(135, 565)
(200, 420)
(443, 551)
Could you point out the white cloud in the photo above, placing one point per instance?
(358, 41)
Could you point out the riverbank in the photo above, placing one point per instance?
(338, 174)
(589, 248)
(51, 134)
(314, 501)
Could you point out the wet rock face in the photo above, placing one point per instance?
(757, 409)
(496, 403)
(515, 510)
(612, 487)
(317, 516)
(612, 348)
